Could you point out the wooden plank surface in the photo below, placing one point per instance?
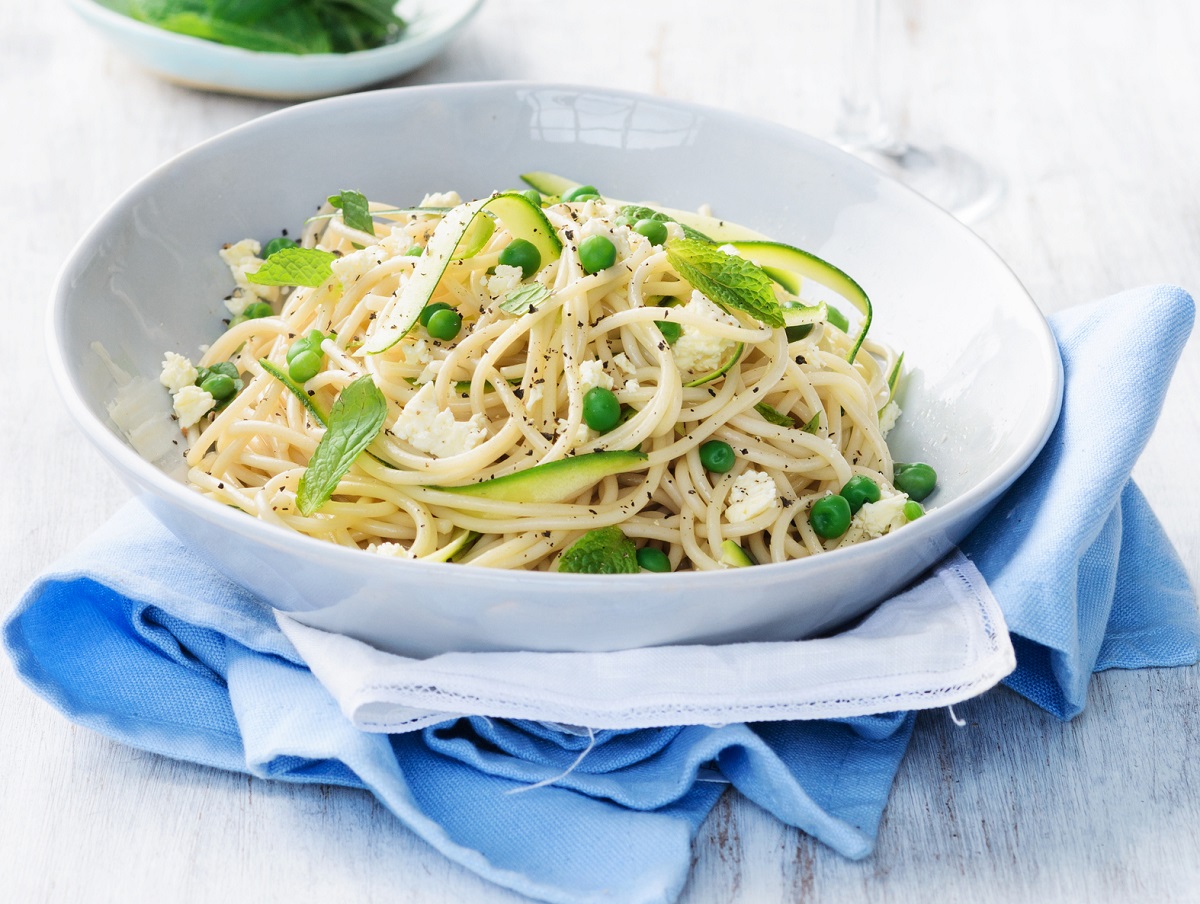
(1089, 111)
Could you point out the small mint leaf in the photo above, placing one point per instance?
(813, 425)
(602, 551)
(354, 421)
(731, 281)
(521, 299)
(294, 267)
(771, 416)
(356, 212)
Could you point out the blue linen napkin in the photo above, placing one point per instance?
(134, 636)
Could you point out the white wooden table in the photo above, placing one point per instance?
(1088, 108)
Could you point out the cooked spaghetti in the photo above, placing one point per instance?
(552, 398)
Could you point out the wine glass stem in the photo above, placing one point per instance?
(861, 124)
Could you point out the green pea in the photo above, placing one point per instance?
(654, 230)
(523, 254)
(717, 456)
(653, 559)
(859, 490)
(258, 310)
(830, 517)
(304, 366)
(601, 410)
(913, 510)
(414, 251)
(916, 479)
(277, 244)
(671, 331)
(430, 309)
(534, 196)
(597, 253)
(444, 325)
(576, 193)
(837, 318)
(219, 386)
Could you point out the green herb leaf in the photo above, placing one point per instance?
(813, 425)
(523, 298)
(602, 551)
(731, 281)
(294, 267)
(355, 420)
(631, 213)
(771, 416)
(356, 212)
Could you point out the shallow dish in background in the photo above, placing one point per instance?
(197, 63)
(980, 400)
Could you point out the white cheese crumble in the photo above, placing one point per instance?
(632, 386)
(752, 493)
(441, 199)
(430, 429)
(888, 417)
(177, 372)
(429, 374)
(505, 280)
(416, 352)
(357, 264)
(624, 364)
(696, 350)
(388, 548)
(242, 258)
(591, 375)
(583, 433)
(191, 403)
(877, 518)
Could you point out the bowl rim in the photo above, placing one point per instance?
(982, 495)
(401, 48)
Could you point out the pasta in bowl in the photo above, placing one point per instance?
(979, 385)
(547, 380)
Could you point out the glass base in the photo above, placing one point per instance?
(954, 181)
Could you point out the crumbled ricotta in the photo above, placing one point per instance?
(357, 264)
(191, 403)
(441, 199)
(416, 352)
(430, 429)
(591, 375)
(388, 548)
(177, 372)
(505, 280)
(752, 493)
(888, 417)
(242, 258)
(624, 364)
(877, 518)
(631, 386)
(583, 433)
(698, 351)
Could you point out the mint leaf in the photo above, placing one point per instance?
(294, 267)
(771, 416)
(602, 551)
(520, 300)
(813, 425)
(354, 421)
(731, 281)
(631, 213)
(356, 212)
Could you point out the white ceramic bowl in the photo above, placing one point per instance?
(432, 24)
(981, 400)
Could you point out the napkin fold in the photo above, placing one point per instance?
(134, 636)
